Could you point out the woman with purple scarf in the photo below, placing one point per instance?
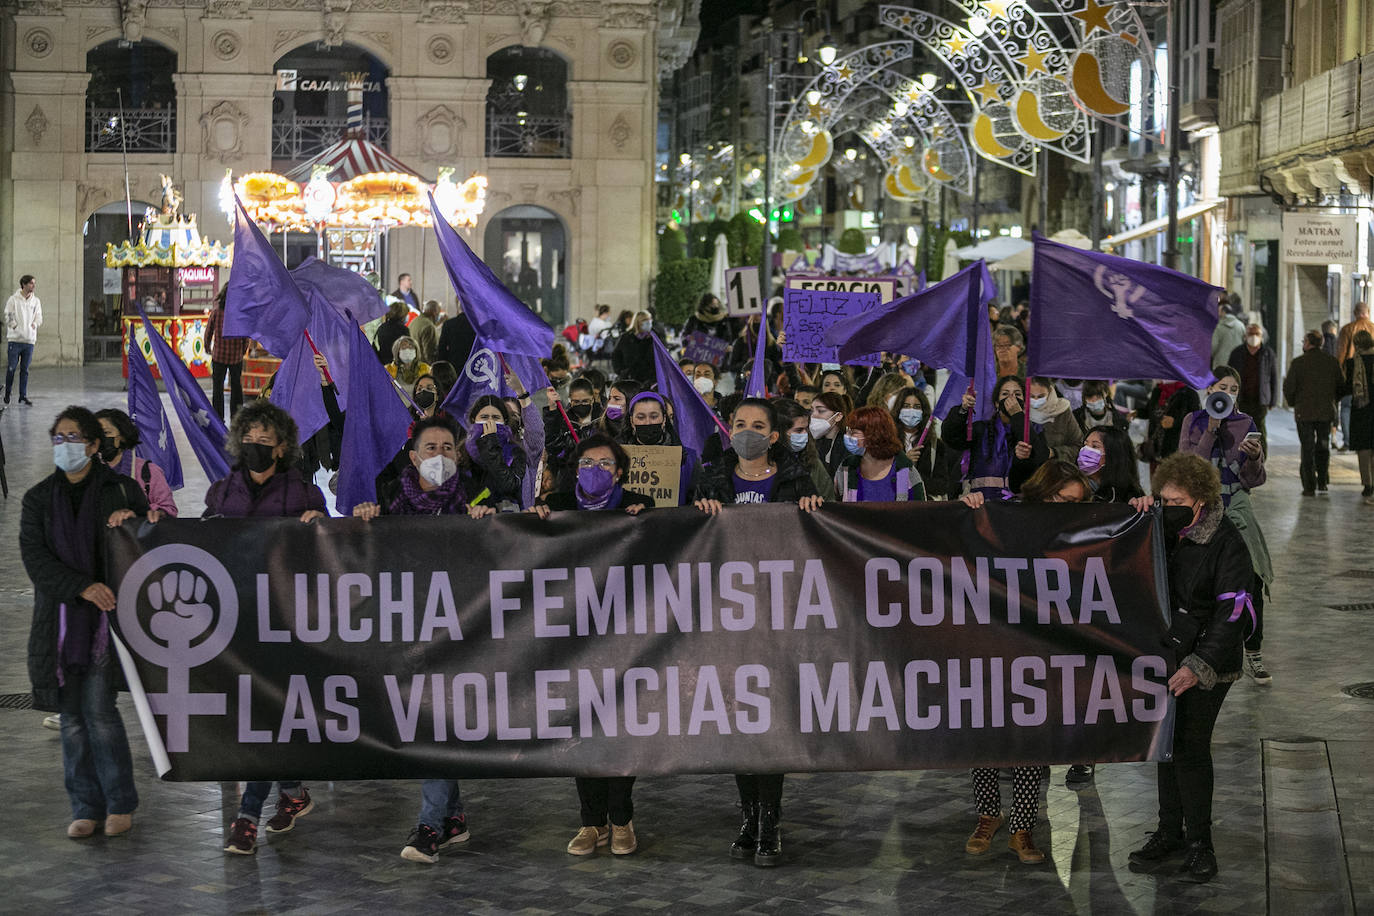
(431, 485)
(71, 661)
(490, 460)
(607, 806)
(996, 460)
(117, 441)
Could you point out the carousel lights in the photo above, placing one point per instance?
(319, 196)
(226, 195)
(851, 154)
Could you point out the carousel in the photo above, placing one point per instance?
(351, 194)
(175, 274)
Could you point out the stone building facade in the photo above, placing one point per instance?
(435, 53)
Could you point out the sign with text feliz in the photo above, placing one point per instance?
(863, 637)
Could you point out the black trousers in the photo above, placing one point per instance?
(766, 788)
(1185, 784)
(1314, 437)
(606, 797)
(1256, 639)
(235, 373)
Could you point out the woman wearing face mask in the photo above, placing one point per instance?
(634, 352)
(1054, 416)
(607, 804)
(1233, 446)
(1210, 575)
(1108, 460)
(876, 470)
(649, 425)
(618, 397)
(704, 380)
(757, 468)
(491, 458)
(998, 461)
(72, 667)
(827, 425)
(118, 436)
(885, 388)
(425, 394)
(795, 421)
(406, 366)
(1098, 409)
(911, 414)
(584, 413)
(264, 482)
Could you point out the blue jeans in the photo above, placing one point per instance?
(97, 767)
(19, 354)
(255, 793)
(439, 798)
(1345, 419)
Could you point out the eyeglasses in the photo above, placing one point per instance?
(58, 438)
(606, 464)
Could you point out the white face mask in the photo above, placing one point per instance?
(820, 427)
(1254, 340)
(1096, 406)
(407, 356)
(438, 470)
(891, 399)
(704, 384)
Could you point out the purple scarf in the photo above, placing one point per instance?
(446, 499)
(502, 434)
(83, 632)
(610, 500)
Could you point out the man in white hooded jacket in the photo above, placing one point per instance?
(23, 315)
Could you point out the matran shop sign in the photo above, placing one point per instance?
(1313, 238)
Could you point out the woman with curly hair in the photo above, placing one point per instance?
(877, 470)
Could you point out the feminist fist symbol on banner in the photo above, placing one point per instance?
(1120, 288)
(188, 615)
(481, 367)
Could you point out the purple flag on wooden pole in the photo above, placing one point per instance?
(692, 416)
(1100, 316)
(506, 323)
(155, 440)
(757, 386)
(261, 301)
(944, 325)
(484, 374)
(204, 428)
(297, 389)
(375, 425)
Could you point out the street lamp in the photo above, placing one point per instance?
(928, 81)
(827, 50)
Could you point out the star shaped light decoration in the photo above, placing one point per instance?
(957, 42)
(845, 72)
(1033, 60)
(1093, 15)
(989, 92)
(997, 7)
(905, 20)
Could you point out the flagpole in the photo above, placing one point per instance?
(1175, 77)
(124, 151)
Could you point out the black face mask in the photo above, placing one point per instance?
(650, 435)
(1177, 520)
(108, 449)
(257, 457)
(580, 411)
(424, 398)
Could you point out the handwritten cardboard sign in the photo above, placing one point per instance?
(655, 471)
(702, 347)
(809, 313)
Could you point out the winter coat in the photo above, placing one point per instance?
(1205, 565)
(286, 494)
(566, 501)
(718, 481)
(1229, 334)
(1313, 386)
(490, 472)
(54, 582)
(634, 358)
(991, 473)
(456, 339)
(392, 330)
(1268, 373)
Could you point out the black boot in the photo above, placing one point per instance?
(769, 850)
(1163, 844)
(744, 844)
(1199, 863)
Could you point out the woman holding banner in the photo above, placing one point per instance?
(876, 470)
(999, 459)
(606, 802)
(828, 412)
(912, 417)
(1209, 577)
(795, 420)
(649, 425)
(493, 461)
(1053, 415)
(263, 483)
(71, 660)
(117, 441)
(757, 468)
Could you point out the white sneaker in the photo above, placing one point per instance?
(1254, 667)
(53, 721)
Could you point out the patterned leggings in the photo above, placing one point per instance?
(1025, 795)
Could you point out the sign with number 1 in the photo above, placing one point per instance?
(742, 290)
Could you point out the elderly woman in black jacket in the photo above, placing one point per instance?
(1209, 575)
(757, 468)
(71, 657)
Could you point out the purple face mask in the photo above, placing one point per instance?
(1090, 459)
(614, 411)
(595, 487)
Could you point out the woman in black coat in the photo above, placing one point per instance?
(1210, 574)
(72, 665)
(757, 468)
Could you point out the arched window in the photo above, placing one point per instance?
(137, 77)
(310, 104)
(526, 246)
(527, 105)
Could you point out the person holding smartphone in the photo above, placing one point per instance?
(1234, 445)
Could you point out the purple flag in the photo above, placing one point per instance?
(757, 386)
(693, 418)
(485, 373)
(375, 425)
(203, 427)
(944, 325)
(297, 389)
(1100, 316)
(340, 289)
(506, 323)
(155, 440)
(261, 301)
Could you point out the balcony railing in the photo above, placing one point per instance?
(145, 130)
(298, 137)
(526, 136)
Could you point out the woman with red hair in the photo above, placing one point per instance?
(876, 470)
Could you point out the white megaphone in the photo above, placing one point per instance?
(1219, 405)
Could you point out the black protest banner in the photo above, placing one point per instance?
(861, 637)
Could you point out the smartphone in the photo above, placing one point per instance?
(1254, 434)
